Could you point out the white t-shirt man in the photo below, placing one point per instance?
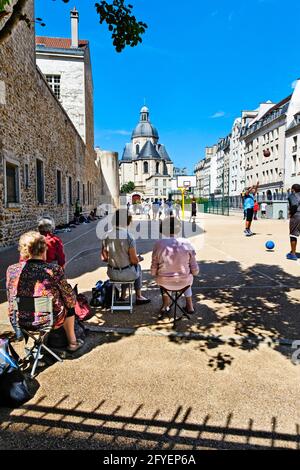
(263, 207)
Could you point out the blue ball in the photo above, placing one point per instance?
(270, 245)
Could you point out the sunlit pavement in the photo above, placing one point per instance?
(224, 379)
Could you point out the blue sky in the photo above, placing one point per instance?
(200, 64)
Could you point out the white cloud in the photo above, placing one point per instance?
(106, 132)
(294, 84)
(218, 114)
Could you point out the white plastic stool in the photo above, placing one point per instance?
(122, 306)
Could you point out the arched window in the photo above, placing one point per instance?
(165, 169)
(157, 167)
(146, 167)
(137, 149)
(136, 168)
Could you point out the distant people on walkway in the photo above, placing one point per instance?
(160, 211)
(147, 209)
(249, 208)
(193, 209)
(155, 209)
(177, 208)
(78, 211)
(174, 262)
(119, 252)
(255, 209)
(294, 208)
(35, 277)
(263, 210)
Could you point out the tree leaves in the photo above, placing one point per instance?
(126, 30)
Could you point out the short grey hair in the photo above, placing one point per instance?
(46, 225)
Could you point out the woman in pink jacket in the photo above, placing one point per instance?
(174, 262)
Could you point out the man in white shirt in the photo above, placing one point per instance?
(263, 210)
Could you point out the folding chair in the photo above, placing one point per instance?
(42, 308)
(174, 296)
(119, 305)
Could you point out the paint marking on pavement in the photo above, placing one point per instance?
(80, 236)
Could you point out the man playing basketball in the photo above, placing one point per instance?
(249, 208)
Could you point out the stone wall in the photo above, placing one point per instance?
(34, 125)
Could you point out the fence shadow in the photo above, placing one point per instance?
(59, 427)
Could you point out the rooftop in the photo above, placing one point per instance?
(59, 43)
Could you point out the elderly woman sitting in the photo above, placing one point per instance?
(55, 248)
(174, 262)
(34, 277)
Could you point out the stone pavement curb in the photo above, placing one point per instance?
(189, 335)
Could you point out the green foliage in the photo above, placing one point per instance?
(125, 28)
(4, 3)
(128, 188)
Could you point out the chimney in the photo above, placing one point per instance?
(74, 27)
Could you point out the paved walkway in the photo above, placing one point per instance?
(225, 379)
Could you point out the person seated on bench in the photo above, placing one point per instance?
(34, 277)
(174, 262)
(119, 251)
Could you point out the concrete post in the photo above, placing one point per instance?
(108, 163)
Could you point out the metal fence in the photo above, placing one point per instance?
(218, 206)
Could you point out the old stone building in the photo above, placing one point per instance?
(46, 159)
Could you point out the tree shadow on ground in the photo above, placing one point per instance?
(247, 306)
(40, 426)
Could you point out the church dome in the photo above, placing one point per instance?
(144, 127)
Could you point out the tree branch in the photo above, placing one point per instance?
(16, 16)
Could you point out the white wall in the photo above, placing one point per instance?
(72, 91)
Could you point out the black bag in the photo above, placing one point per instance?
(13, 387)
(57, 339)
(107, 294)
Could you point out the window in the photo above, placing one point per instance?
(78, 190)
(137, 149)
(70, 191)
(54, 83)
(165, 169)
(156, 182)
(165, 182)
(164, 192)
(26, 175)
(12, 183)
(58, 187)
(146, 167)
(156, 192)
(83, 193)
(136, 168)
(40, 186)
(157, 167)
(294, 164)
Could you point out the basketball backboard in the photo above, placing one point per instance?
(186, 181)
